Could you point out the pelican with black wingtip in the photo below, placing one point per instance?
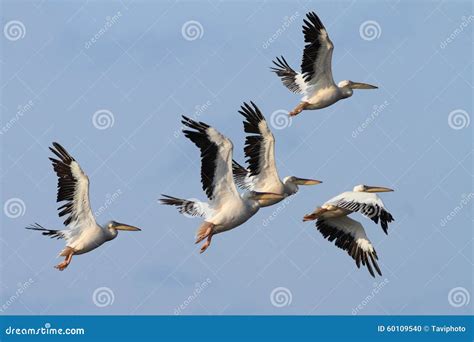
(226, 209)
(83, 234)
(262, 174)
(315, 81)
(334, 224)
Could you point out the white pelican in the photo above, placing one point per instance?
(349, 235)
(315, 80)
(226, 208)
(261, 174)
(83, 233)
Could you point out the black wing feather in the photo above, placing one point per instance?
(373, 212)
(347, 242)
(208, 150)
(184, 206)
(240, 174)
(253, 142)
(66, 181)
(286, 73)
(311, 30)
(58, 234)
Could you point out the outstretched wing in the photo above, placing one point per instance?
(216, 161)
(317, 55)
(188, 207)
(350, 236)
(73, 188)
(368, 204)
(291, 79)
(58, 234)
(259, 149)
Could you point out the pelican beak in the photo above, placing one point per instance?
(378, 189)
(266, 196)
(122, 226)
(358, 85)
(303, 181)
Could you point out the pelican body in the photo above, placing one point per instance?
(261, 175)
(315, 81)
(226, 209)
(83, 234)
(334, 224)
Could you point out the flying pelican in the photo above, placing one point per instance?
(226, 208)
(83, 233)
(315, 80)
(261, 174)
(348, 234)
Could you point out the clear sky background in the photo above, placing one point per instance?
(142, 73)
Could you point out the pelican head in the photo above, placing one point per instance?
(347, 87)
(114, 226)
(368, 188)
(291, 183)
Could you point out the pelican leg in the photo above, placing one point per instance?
(68, 253)
(206, 244)
(299, 108)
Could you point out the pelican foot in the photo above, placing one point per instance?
(206, 244)
(62, 266)
(204, 231)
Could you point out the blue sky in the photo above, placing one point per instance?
(131, 63)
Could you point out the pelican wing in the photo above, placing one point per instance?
(350, 236)
(73, 188)
(317, 55)
(188, 207)
(291, 79)
(216, 161)
(52, 233)
(259, 150)
(241, 176)
(368, 204)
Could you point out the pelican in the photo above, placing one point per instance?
(83, 234)
(348, 234)
(226, 209)
(315, 80)
(261, 174)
